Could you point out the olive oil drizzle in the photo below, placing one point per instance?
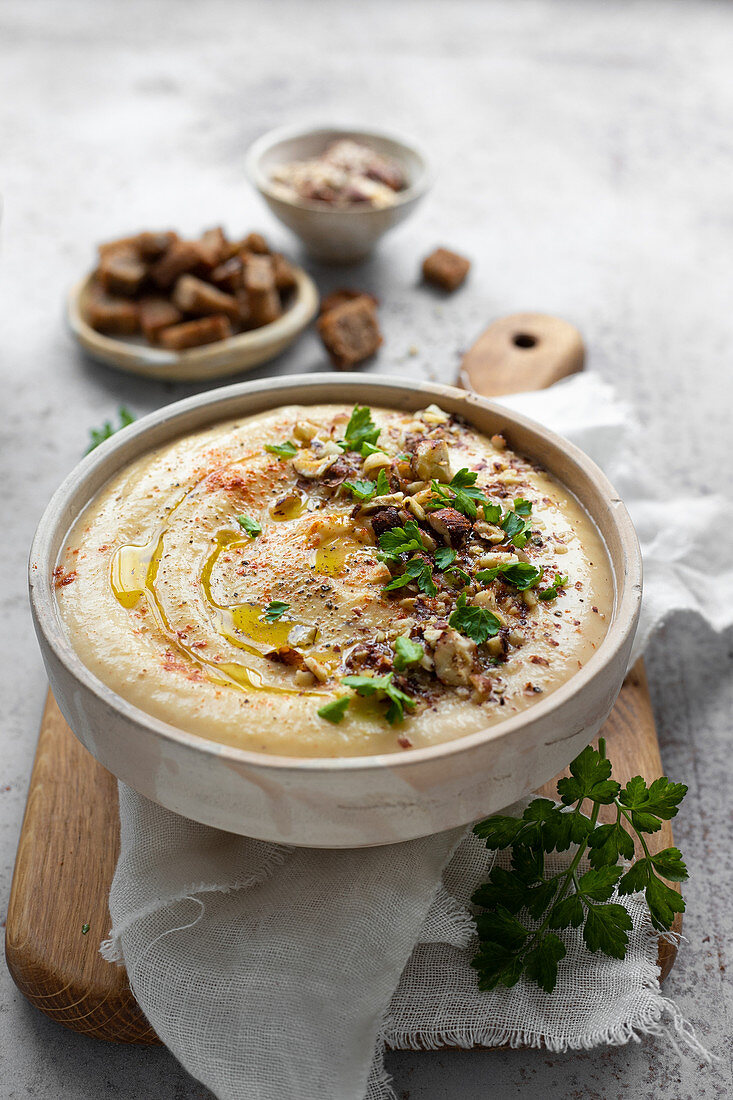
(133, 576)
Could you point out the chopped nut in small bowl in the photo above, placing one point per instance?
(166, 308)
(336, 188)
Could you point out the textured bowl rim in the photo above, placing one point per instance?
(130, 444)
(263, 144)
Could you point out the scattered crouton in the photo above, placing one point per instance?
(445, 269)
(162, 286)
(350, 332)
(192, 334)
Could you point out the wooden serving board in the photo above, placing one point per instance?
(69, 839)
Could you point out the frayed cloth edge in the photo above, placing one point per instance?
(111, 948)
(676, 1029)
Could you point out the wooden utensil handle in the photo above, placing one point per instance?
(526, 351)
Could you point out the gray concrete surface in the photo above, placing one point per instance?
(585, 158)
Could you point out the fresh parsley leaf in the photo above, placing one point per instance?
(382, 685)
(522, 506)
(528, 863)
(662, 799)
(361, 429)
(498, 831)
(571, 897)
(460, 493)
(362, 490)
(502, 927)
(608, 843)
(670, 865)
(463, 479)
(541, 963)
(475, 622)
(519, 573)
(251, 526)
(460, 574)
(606, 928)
(497, 964)
(515, 528)
(541, 826)
(401, 540)
(441, 494)
(282, 450)
(589, 778)
(540, 897)
(335, 710)
(636, 878)
(367, 449)
(552, 591)
(466, 495)
(274, 610)
(382, 483)
(417, 571)
(84, 929)
(663, 903)
(99, 435)
(367, 685)
(444, 557)
(407, 653)
(568, 913)
(503, 888)
(599, 885)
(492, 513)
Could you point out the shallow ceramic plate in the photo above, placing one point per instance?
(225, 357)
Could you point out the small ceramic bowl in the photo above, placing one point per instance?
(335, 236)
(349, 801)
(225, 357)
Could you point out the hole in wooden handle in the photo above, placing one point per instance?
(524, 340)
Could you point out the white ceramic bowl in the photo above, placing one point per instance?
(354, 801)
(225, 357)
(336, 236)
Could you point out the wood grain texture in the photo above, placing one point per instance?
(70, 835)
(525, 351)
(66, 858)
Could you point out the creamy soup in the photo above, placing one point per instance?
(322, 581)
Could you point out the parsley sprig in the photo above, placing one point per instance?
(361, 432)
(274, 610)
(382, 687)
(99, 435)
(552, 591)
(417, 571)
(251, 526)
(460, 493)
(282, 450)
(400, 540)
(515, 525)
(364, 489)
(524, 908)
(475, 622)
(519, 573)
(407, 652)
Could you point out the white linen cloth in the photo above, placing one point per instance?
(276, 972)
